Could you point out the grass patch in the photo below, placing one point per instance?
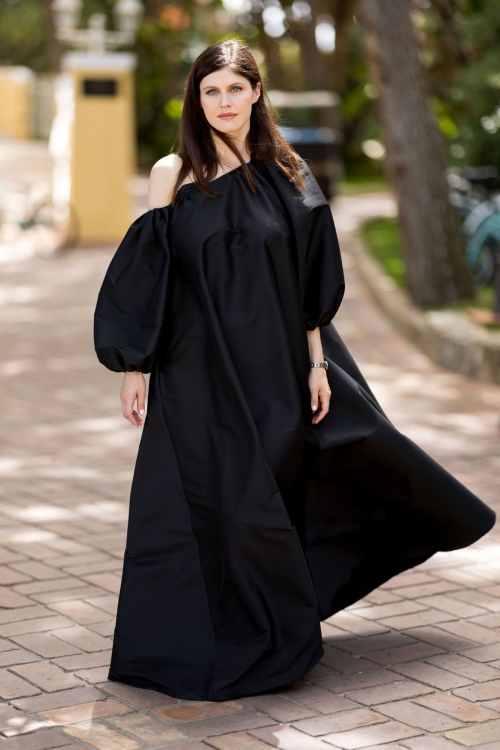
(356, 185)
(383, 240)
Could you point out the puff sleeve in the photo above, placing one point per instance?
(131, 302)
(324, 282)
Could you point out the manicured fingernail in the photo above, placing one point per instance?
(314, 406)
(141, 411)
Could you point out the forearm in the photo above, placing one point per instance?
(315, 346)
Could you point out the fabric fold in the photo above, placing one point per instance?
(130, 308)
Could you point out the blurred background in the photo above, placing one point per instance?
(396, 108)
(405, 100)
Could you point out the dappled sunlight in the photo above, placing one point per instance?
(39, 513)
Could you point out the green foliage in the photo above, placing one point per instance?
(21, 40)
(465, 78)
(383, 240)
(461, 56)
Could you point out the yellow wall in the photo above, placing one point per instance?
(103, 157)
(15, 98)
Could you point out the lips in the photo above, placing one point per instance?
(227, 117)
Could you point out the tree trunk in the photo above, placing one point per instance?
(437, 272)
(342, 11)
(52, 42)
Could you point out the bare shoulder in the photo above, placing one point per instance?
(162, 180)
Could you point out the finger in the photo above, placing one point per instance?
(141, 403)
(314, 399)
(128, 411)
(325, 405)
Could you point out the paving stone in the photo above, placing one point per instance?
(427, 589)
(451, 605)
(102, 737)
(483, 653)
(16, 656)
(389, 691)
(287, 738)
(138, 697)
(313, 696)
(34, 625)
(342, 662)
(424, 617)
(106, 581)
(339, 722)
(108, 603)
(346, 683)
(198, 710)
(47, 676)
(482, 692)
(59, 699)
(373, 735)
(465, 667)
(224, 724)
(105, 628)
(473, 736)
(80, 611)
(14, 722)
(280, 708)
(431, 675)
(81, 661)
(428, 742)
(61, 595)
(45, 644)
(11, 599)
(44, 739)
(147, 728)
(236, 741)
(21, 614)
(459, 708)
(438, 637)
(390, 610)
(9, 576)
(348, 621)
(38, 570)
(50, 585)
(12, 686)
(94, 676)
(83, 638)
(84, 711)
(421, 717)
(375, 643)
(476, 633)
(401, 654)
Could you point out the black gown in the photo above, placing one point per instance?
(248, 524)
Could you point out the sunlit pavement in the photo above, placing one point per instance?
(414, 665)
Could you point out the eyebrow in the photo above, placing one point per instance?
(236, 83)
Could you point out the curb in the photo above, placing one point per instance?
(448, 337)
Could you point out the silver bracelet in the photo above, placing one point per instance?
(320, 364)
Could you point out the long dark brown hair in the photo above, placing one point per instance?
(264, 140)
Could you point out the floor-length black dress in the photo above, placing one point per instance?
(248, 524)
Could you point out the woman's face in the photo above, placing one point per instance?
(226, 93)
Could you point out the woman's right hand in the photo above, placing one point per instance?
(133, 389)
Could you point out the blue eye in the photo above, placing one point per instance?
(240, 88)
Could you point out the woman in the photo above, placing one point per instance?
(267, 493)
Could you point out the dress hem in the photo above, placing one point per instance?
(195, 695)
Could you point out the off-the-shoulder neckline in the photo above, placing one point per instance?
(193, 184)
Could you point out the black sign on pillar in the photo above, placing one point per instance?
(100, 87)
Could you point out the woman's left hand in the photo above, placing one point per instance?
(320, 393)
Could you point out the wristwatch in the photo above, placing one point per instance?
(320, 364)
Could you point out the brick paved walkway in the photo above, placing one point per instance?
(415, 665)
